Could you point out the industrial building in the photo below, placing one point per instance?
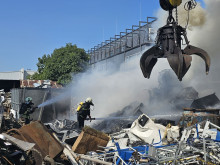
(9, 80)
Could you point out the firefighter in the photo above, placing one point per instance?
(26, 109)
(83, 110)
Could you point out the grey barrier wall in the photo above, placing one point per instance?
(40, 95)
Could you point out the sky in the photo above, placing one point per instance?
(31, 28)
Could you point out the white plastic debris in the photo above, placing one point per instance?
(132, 138)
(145, 129)
(173, 133)
(2, 137)
(123, 143)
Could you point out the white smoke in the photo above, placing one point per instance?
(112, 92)
(207, 37)
(195, 17)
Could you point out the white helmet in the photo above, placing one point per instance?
(28, 99)
(89, 100)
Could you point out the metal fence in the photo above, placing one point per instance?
(139, 35)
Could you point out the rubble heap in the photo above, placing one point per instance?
(145, 140)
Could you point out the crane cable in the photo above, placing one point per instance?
(191, 4)
(176, 16)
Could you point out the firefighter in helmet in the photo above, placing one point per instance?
(26, 109)
(83, 110)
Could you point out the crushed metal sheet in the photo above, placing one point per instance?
(25, 146)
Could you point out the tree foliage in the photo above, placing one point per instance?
(61, 64)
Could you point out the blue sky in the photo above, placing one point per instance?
(31, 28)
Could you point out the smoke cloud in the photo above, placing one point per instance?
(112, 92)
(60, 98)
(197, 16)
(207, 37)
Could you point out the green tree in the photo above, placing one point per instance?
(61, 64)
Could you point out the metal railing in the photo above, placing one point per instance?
(137, 36)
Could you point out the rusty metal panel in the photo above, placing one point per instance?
(37, 133)
(31, 83)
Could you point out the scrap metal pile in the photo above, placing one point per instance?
(145, 142)
(198, 144)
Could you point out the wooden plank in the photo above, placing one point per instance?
(89, 140)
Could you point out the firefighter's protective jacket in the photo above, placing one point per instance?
(26, 110)
(84, 110)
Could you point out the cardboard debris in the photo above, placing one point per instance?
(89, 140)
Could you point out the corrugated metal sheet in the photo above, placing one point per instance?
(16, 100)
(18, 96)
